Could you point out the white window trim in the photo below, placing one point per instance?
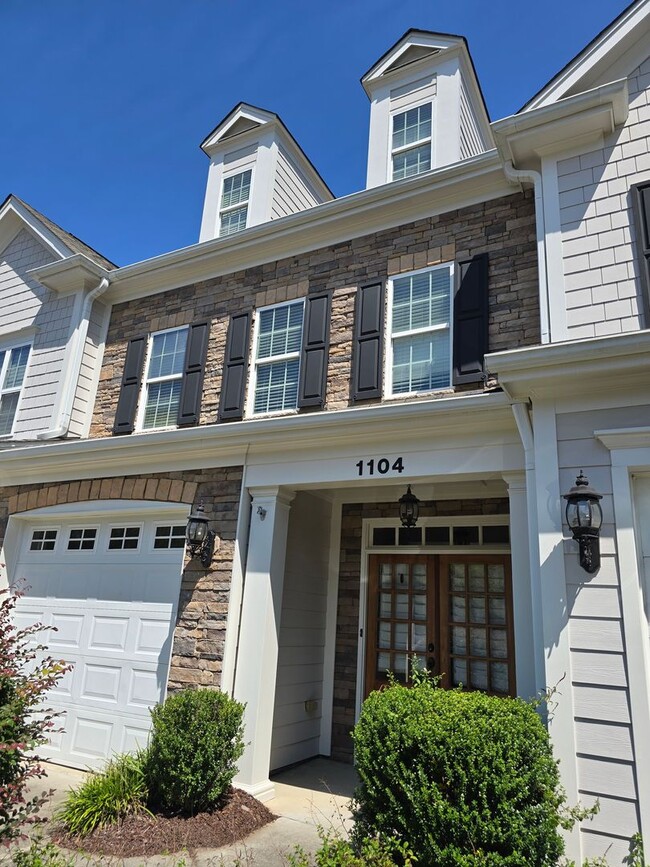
(146, 381)
(221, 210)
(82, 527)
(126, 525)
(388, 354)
(6, 346)
(392, 152)
(250, 402)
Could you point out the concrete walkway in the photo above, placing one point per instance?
(314, 793)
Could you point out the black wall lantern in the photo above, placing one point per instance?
(409, 509)
(584, 516)
(200, 539)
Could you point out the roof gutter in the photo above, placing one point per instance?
(72, 364)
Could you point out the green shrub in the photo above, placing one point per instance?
(464, 778)
(105, 798)
(336, 851)
(195, 742)
(41, 854)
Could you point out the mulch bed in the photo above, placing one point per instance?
(240, 815)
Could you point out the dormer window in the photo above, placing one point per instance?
(233, 213)
(411, 145)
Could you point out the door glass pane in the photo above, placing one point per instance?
(499, 677)
(459, 639)
(419, 576)
(498, 643)
(419, 607)
(496, 578)
(477, 609)
(386, 575)
(476, 578)
(383, 663)
(384, 634)
(457, 577)
(479, 675)
(400, 665)
(497, 609)
(402, 576)
(402, 606)
(418, 637)
(478, 642)
(459, 671)
(401, 636)
(385, 607)
(458, 609)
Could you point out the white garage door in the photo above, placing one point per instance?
(110, 586)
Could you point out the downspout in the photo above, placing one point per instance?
(74, 356)
(521, 412)
(535, 178)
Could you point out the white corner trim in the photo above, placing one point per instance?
(329, 652)
(554, 261)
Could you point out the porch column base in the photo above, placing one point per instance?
(263, 791)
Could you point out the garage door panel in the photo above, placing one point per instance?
(114, 614)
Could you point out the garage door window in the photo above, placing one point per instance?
(124, 538)
(82, 539)
(43, 540)
(170, 536)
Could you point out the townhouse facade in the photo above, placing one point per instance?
(470, 328)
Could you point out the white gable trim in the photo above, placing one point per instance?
(12, 207)
(569, 78)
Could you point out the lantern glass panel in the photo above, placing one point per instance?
(596, 516)
(584, 513)
(196, 531)
(572, 514)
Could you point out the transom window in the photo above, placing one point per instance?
(168, 536)
(277, 357)
(419, 350)
(43, 540)
(123, 538)
(163, 378)
(233, 212)
(82, 539)
(13, 364)
(411, 145)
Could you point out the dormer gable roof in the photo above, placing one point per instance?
(62, 243)
(417, 47)
(598, 60)
(242, 120)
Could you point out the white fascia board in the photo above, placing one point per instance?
(624, 438)
(74, 274)
(569, 78)
(428, 40)
(469, 182)
(231, 444)
(257, 115)
(40, 230)
(577, 367)
(593, 113)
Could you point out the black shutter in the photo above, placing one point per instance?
(130, 390)
(315, 348)
(235, 366)
(190, 403)
(470, 319)
(368, 342)
(641, 206)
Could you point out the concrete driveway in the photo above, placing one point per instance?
(314, 793)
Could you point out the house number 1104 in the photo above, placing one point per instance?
(381, 466)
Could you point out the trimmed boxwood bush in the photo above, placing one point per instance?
(196, 740)
(462, 777)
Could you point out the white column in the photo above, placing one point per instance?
(525, 650)
(257, 656)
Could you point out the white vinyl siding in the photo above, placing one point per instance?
(278, 341)
(471, 141)
(291, 190)
(411, 142)
(419, 343)
(233, 212)
(13, 364)
(163, 378)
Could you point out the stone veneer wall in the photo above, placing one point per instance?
(347, 618)
(200, 630)
(505, 228)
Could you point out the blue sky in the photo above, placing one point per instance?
(106, 101)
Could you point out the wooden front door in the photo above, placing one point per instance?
(451, 612)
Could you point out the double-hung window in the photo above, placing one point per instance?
(419, 349)
(233, 212)
(163, 378)
(411, 142)
(278, 341)
(13, 364)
